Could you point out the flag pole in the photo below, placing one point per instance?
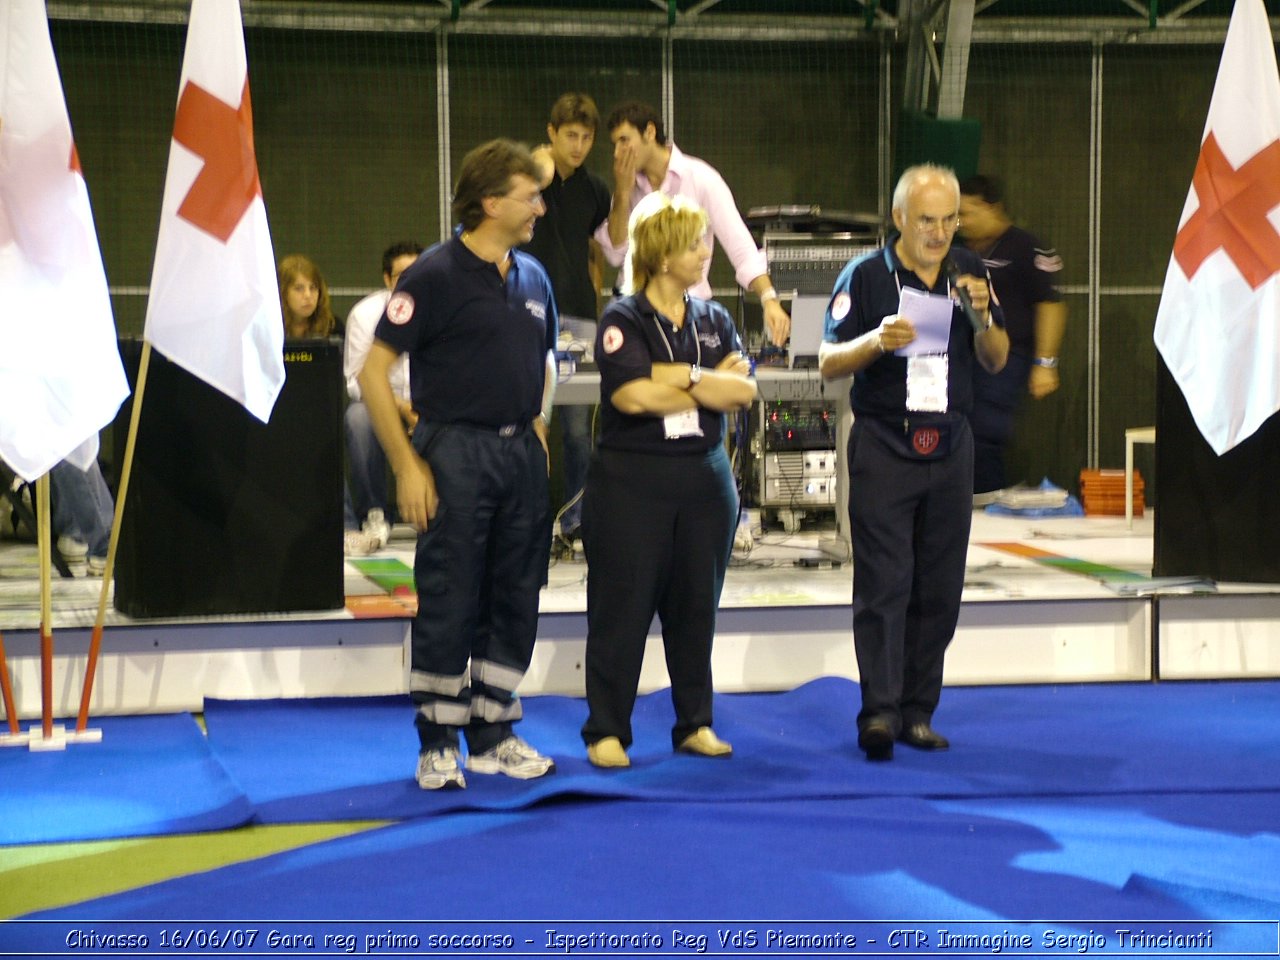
(6, 687)
(95, 640)
(44, 545)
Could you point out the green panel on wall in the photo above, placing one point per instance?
(925, 139)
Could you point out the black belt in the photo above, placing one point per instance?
(502, 430)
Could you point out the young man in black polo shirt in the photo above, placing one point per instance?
(577, 204)
(479, 323)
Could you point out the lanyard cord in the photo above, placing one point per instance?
(697, 343)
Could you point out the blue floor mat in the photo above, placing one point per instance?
(336, 759)
(1069, 862)
(149, 775)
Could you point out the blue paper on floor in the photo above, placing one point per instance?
(1135, 859)
(149, 775)
(331, 759)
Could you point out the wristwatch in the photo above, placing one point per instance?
(1049, 362)
(695, 374)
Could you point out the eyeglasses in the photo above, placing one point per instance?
(533, 203)
(929, 224)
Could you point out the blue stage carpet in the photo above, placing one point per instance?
(149, 775)
(337, 759)
(1088, 860)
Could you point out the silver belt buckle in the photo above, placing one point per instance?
(509, 430)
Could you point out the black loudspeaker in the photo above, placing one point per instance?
(1217, 517)
(226, 514)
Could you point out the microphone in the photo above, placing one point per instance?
(966, 302)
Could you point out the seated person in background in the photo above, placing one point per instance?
(368, 508)
(304, 299)
(82, 513)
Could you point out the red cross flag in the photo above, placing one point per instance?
(60, 375)
(214, 307)
(1218, 325)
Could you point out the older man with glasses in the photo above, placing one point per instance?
(908, 321)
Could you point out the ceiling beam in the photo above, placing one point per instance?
(699, 7)
(1177, 12)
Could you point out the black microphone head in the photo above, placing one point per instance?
(949, 269)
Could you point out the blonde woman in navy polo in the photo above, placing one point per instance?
(660, 507)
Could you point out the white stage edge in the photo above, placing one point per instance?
(779, 626)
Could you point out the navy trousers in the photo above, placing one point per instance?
(910, 522)
(658, 533)
(478, 569)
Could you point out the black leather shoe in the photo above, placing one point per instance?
(923, 737)
(876, 740)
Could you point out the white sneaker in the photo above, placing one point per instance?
(438, 769)
(96, 566)
(72, 550)
(376, 526)
(512, 757)
(357, 543)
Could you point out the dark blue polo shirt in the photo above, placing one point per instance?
(632, 337)
(561, 238)
(1022, 275)
(477, 346)
(872, 285)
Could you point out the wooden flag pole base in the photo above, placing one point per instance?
(58, 738)
(47, 739)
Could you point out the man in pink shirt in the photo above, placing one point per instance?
(643, 162)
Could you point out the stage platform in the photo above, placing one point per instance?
(1062, 600)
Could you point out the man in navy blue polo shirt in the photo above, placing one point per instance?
(910, 449)
(1023, 270)
(479, 323)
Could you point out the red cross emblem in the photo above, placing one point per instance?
(925, 440)
(1234, 203)
(223, 136)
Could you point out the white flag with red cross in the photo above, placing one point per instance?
(214, 307)
(61, 380)
(1218, 325)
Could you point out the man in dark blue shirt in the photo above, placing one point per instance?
(479, 323)
(1022, 271)
(910, 451)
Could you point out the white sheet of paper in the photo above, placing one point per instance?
(930, 314)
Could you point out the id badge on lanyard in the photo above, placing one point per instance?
(684, 424)
(927, 383)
